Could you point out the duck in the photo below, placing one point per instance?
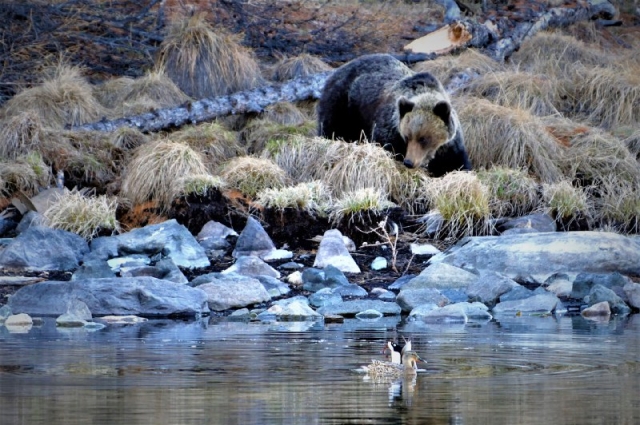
(397, 350)
(381, 369)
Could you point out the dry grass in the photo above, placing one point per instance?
(27, 173)
(204, 62)
(260, 132)
(157, 88)
(152, 172)
(359, 166)
(618, 204)
(303, 158)
(212, 140)
(307, 196)
(20, 134)
(66, 98)
(111, 93)
(565, 202)
(128, 138)
(408, 189)
(499, 136)
(463, 201)
(606, 97)
(252, 175)
(199, 184)
(512, 192)
(84, 215)
(535, 93)
(299, 66)
(358, 203)
(469, 61)
(631, 139)
(284, 113)
(555, 55)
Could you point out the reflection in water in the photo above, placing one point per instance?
(510, 371)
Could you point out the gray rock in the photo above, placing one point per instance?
(353, 307)
(488, 287)
(476, 311)
(400, 282)
(369, 315)
(455, 295)
(424, 249)
(324, 296)
(330, 277)
(517, 293)
(128, 261)
(142, 296)
(234, 291)
(31, 219)
(274, 287)
(420, 311)
(213, 236)
(559, 284)
(251, 265)
(41, 249)
(631, 289)
(408, 299)
(350, 290)
(70, 320)
(601, 309)
(277, 254)
(294, 310)
(452, 313)
(20, 319)
(7, 225)
(122, 320)
(535, 257)
(442, 276)
(600, 293)
(537, 304)
(291, 265)
(379, 263)
(332, 252)
(241, 315)
(583, 283)
(94, 269)
(253, 240)
(5, 311)
(384, 294)
(531, 223)
(170, 271)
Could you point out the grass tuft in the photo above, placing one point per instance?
(199, 184)
(20, 134)
(252, 175)
(358, 203)
(307, 196)
(512, 192)
(566, 203)
(300, 66)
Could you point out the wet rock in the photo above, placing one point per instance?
(455, 295)
(534, 257)
(452, 313)
(476, 311)
(292, 310)
(5, 311)
(241, 315)
(537, 304)
(529, 223)
(214, 236)
(488, 287)
(631, 289)
(584, 282)
(42, 249)
(291, 265)
(410, 298)
(170, 271)
(77, 315)
(420, 311)
(353, 307)
(350, 290)
(94, 269)
(21, 319)
(379, 263)
(370, 314)
(295, 279)
(383, 294)
(323, 297)
(442, 276)
(424, 249)
(253, 240)
(31, 219)
(400, 282)
(517, 293)
(278, 254)
(274, 287)
(128, 261)
(332, 252)
(122, 320)
(142, 296)
(234, 291)
(559, 284)
(251, 265)
(600, 293)
(314, 279)
(600, 309)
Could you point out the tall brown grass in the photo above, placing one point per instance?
(204, 62)
(252, 175)
(302, 65)
(470, 61)
(20, 134)
(27, 173)
(213, 141)
(512, 192)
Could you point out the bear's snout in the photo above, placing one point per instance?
(408, 163)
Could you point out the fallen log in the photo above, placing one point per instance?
(498, 36)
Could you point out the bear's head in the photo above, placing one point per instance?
(426, 123)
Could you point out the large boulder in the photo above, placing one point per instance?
(333, 252)
(41, 249)
(410, 298)
(442, 276)
(141, 296)
(536, 256)
(536, 304)
(234, 291)
(489, 286)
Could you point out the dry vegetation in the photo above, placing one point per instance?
(555, 129)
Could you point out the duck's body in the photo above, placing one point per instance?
(396, 350)
(408, 367)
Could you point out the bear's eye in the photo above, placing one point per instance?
(423, 140)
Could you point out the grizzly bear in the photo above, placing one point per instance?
(379, 98)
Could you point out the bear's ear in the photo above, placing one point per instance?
(443, 110)
(405, 106)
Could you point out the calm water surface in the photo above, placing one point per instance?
(541, 370)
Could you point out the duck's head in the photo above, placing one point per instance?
(410, 359)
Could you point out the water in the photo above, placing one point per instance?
(517, 370)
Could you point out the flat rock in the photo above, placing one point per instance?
(274, 287)
(21, 319)
(353, 307)
(600, 309)
(253, 240)
(410, 298)
(531, 223)
(293, 311)
(441, 276)
(251, 265)
(424, 249)
(488, 287)
(234, 291)
(332, 252)
(452, 313)
(122, 320)
(41, 248)
(536, 256)
(94, 269)
(537, 304)
(370, 314)
(141, 296)
(324, 297)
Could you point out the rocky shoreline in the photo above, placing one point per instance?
(162, 270)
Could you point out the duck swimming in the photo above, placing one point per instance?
(409, 367)
(396, 350)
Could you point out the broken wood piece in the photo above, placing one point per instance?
(441, 41)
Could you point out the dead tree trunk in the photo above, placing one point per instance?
(498, 36)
